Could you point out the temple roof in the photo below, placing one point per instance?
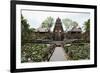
(58, 25)
(58, 21)
(76, 29)
(40, 29)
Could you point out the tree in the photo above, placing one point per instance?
(75, 24)
(32, 34)
(69, 23)
(87, 25)
(48, 22)
(26, 32)
(24, 29)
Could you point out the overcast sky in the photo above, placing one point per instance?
(35, 18)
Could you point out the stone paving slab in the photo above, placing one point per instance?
(58, 55)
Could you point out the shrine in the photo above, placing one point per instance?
(58, 30)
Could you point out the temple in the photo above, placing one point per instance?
(58, 30)
(58, 33)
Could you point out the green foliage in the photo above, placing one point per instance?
(87, 25)
(78, 51)
(33, 52)
(75, 24)
(48, 22)
(24, 29)
(26, 32)
(69, 23)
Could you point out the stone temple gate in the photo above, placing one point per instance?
(58, 30)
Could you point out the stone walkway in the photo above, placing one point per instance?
(58, 55)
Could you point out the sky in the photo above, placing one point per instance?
(35, 18)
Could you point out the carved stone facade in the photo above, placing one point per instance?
(58, 31)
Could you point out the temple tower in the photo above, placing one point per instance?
(58, 30)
